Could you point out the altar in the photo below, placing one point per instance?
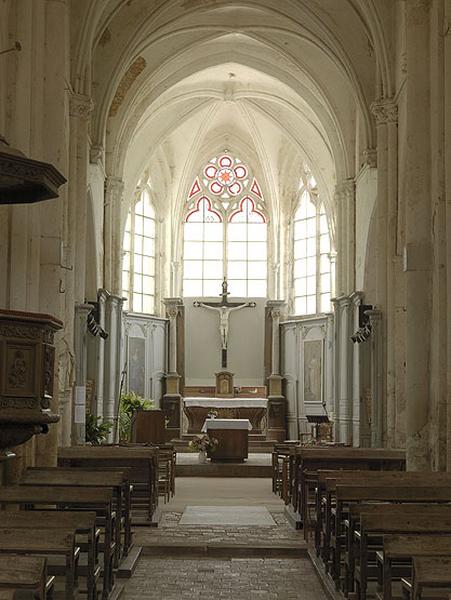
(232, 437)
(197, 409)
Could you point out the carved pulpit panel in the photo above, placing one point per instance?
(27, 357)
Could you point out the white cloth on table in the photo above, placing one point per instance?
(226, 424)
(226, 402)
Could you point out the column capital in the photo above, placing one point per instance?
(370, 157)
(96, 154)
(173, 306)
(385, 110)
(346, 188)
(80, 106)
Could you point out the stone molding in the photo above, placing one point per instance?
(114, 189)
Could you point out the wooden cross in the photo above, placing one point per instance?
(224, 308)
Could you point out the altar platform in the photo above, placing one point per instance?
(257, 465)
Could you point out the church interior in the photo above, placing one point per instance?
(225, 300)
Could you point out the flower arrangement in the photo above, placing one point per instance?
(212, 413)
(203, 443)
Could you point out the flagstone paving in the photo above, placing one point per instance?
(237, 579)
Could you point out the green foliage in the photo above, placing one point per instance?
(129, 404)
(95, 432)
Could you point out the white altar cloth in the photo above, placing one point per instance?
(226, 424)
(226, 402)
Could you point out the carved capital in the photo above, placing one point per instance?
(96, 154)
(80, 106)
(385, 111)
(370, 157)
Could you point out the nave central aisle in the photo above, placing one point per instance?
(223, 538)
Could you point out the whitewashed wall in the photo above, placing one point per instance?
(203, 343)
(145, 355)
(294, 335)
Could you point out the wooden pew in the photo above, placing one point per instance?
(82, 523)
(326, 490)
(310, 460)
(380, 510)
(25, 573)
(53, 542)
(126, 495)
(280, 455)
(428, 573)
(57, 477)
(8, 594)
(142, 462)
(99, 500)
(373, 525)
(403, 548)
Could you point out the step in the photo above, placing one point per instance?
(223, 470)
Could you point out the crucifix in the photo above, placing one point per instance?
(224, 308)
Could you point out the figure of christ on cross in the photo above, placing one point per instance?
(224, 308)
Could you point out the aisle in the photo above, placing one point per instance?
(224, 538)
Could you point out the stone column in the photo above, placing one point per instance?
(171, 403)
(377, 380)
(102, 296)
(348, 201)
(418, 248)
(386, 114)
(80, 109)
(344, 369)
(113, 367)
(356, 299)
(114, 191)
(276, 414)
(79, 404)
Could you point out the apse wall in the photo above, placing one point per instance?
(203, 345)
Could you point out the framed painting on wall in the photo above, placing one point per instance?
(313, 371)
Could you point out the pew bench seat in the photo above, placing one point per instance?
(25, 573)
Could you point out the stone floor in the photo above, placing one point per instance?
(237, 579)
(217, 560)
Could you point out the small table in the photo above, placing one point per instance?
(233, 438)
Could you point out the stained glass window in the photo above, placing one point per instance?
(138, 262)
(311, 252)
(225, 231)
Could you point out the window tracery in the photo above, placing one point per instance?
(225, 231)
(311, 251)
(138, 261)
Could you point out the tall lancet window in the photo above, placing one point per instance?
(138, 262)
(312, 265)
(225, 231)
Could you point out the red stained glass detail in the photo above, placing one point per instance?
(195, 189)
(240, 172)
(255, 189)
(247, 213)
(203, 213)
(210, 171)
(216, 188)
(225, 161)
(235, 189)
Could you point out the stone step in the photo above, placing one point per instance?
(227, 550)
(223, 470)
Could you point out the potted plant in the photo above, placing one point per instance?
(96, 432)
(129, 404)
(202, 444)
